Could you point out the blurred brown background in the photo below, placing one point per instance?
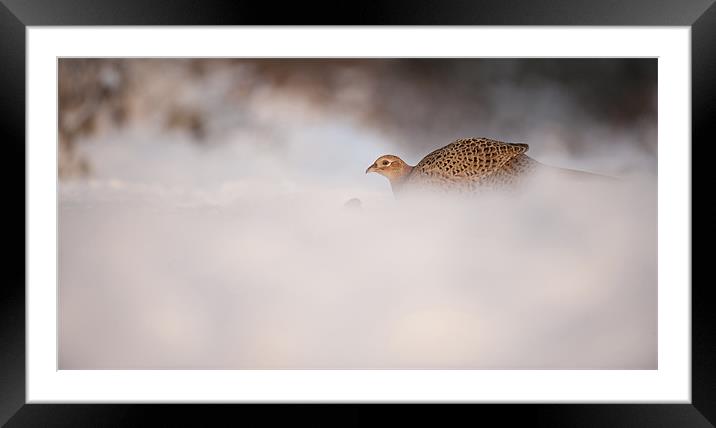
(568, 105)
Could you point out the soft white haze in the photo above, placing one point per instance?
(228, 257)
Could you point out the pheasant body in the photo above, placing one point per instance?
(466, 165)
(473, 163)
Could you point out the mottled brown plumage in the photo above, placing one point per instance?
(467, 164)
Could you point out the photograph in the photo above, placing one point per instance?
(357, 213)
(284, 213)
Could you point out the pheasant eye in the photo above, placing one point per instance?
(385, 163)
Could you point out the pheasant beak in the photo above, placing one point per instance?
(371, 168)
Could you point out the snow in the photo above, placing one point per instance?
(237, 256)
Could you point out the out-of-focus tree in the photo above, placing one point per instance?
(571, 104)
(91, 95)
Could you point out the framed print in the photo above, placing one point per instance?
(494, 210)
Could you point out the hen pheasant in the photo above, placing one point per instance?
(464, 165)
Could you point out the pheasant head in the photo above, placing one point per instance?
(391, 167)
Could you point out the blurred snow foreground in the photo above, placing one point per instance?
(221, 262)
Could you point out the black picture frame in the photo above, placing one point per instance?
(16, 15)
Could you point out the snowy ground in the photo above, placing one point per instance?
(241, 255)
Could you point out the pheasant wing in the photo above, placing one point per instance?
(469, 159)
